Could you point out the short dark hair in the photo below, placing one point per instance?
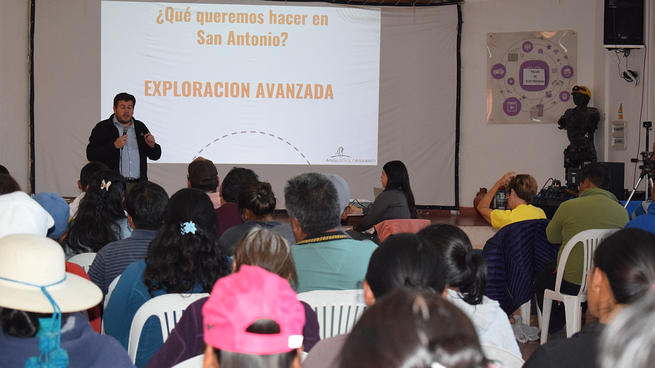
(312, 199)
(88, 171)
(124, 96)
(234, 181)
(411, 328)
(598, 175)
(3, 170)
(145, 203)
(406, 260)
(525, 187)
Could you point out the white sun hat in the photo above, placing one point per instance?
(30, 264)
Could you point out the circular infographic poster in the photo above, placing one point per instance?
(530, 76)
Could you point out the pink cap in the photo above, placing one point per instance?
(240, 299)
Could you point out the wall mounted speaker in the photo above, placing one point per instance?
(623, 24)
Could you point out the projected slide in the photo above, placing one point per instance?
(246, 84)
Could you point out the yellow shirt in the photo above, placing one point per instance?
(522, 212)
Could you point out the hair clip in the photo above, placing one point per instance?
(105, 185)
(436, 365)
(188, 227)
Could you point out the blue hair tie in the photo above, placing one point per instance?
(188, 227)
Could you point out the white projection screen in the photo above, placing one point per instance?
(282, 88)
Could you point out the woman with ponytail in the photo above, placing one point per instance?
(256, 203)
(466, 274)
(182, 258)
(100, 218)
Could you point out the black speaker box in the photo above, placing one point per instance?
(623, 23)
(617, 176)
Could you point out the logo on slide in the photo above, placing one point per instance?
(339, 153)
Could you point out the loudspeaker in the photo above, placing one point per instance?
(617, 175)
(624, 24)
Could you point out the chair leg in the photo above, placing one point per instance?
(573, 320)
(524, 310)
(545, 320)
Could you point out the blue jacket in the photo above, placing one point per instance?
(514, 256)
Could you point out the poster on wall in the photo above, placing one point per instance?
(530, 76)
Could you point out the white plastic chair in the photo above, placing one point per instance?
(195, 362)
(110, 289)
(501, 357)
(572, 303)
(337, 310)
(84, 260)
(168, 308)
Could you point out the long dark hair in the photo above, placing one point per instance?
(627, 257)
(185, 250)
(398, 178)
(410, 328)
(18, 323)
(465, 270)
(405, 260)
(99, 217)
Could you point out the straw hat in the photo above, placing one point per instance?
(30, 262)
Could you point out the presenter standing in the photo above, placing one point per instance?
(123, 143)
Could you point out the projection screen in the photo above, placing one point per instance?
(282, 88)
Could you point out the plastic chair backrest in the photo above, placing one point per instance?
(390, 227)
(590, 240)
(84, 260)
(195, 362)
(502, 358)
(168, 308)
(337, 310)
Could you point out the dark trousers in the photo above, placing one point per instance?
(546, 280)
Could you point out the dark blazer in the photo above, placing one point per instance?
(101, 146)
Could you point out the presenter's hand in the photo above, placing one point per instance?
(150, 140)
(355, 209)
(120, 142)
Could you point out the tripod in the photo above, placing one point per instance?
(645, 168)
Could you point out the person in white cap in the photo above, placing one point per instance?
(38, 301)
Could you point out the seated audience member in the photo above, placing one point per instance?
(623, 273)
(202, 174)
(629, 340)
(144, 205)
(467, 278)
(182, 258)
(343, 193)
(411, 328)
(228, 213)
(256, 202)
(253, 319)
(100, 218)
(647, 220)
(521, 190)
(395, 202)
(86, 174)
(595, 208)
(39, 310)
(403, 260)
(326, 258)
(57, 208)
(8, 184)
(262, 248)
(20, 214)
